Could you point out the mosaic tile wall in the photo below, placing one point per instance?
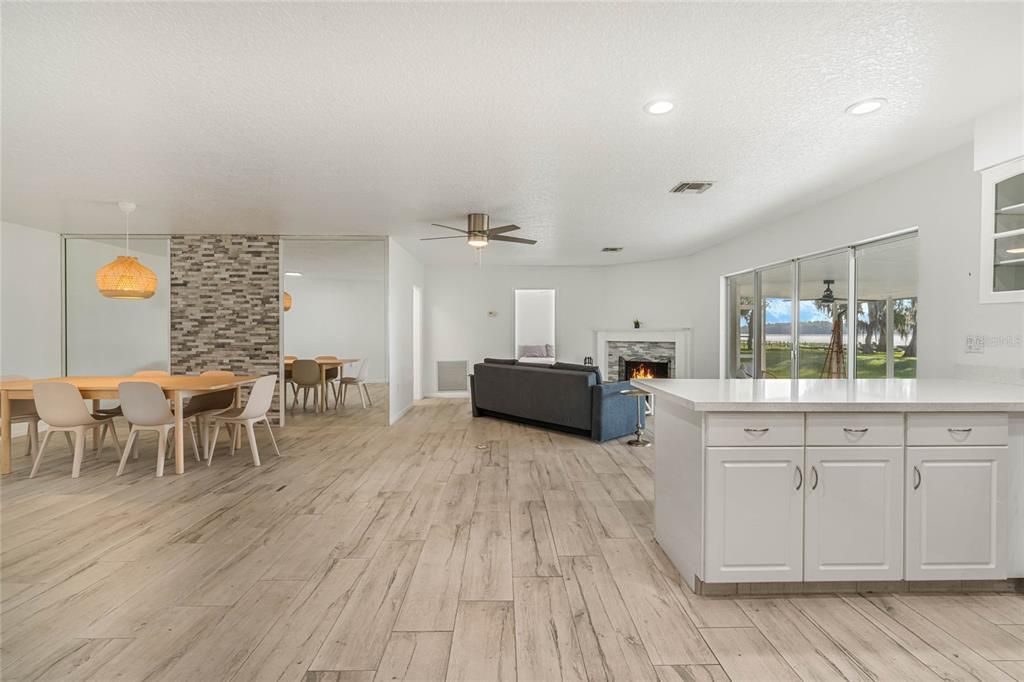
(655, 351)
(225, 308)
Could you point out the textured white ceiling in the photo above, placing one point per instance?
(382, 118)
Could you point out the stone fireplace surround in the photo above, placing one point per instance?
(653, 351)
(659, 345)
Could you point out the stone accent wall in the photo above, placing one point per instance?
(225, 307)
(655, 351)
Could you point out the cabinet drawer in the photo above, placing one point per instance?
(755, 428)
(858, 429)
(958, 428)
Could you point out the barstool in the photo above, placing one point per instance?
(641, 396)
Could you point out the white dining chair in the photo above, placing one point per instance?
(145, 407)
(200, 408)
(359, 381)
(115, 411)
(60, 405)
(260, 399)
(24, 412)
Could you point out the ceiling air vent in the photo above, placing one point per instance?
(692, 187)
(611, 249)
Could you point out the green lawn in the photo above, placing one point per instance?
(812, 358)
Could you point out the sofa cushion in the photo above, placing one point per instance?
(579, 368)
(539, 351)
(501, 361)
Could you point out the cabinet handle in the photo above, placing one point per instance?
(800, 482)
(917, 478)
(814, 470)
(763, 429)
(964, 430)
(861, 430)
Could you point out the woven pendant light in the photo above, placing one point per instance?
(287, 300)
(125, 277)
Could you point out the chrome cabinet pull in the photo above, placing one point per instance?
(964, 430)
(917, 478)
(814, 470)
(763, 429)
(849, 430)
(799, 483)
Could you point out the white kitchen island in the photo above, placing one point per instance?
(829, 480)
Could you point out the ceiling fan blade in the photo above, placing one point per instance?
(430, 239)
(503, 229)
(515, 240)
(449, 228)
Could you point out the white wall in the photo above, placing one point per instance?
(29, 302)
(942, 197)
(339, 312)
(404, 272)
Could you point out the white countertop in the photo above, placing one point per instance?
(836, 395)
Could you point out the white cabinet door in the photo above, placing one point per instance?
(754, 522)
(854, 513)
(956, 513)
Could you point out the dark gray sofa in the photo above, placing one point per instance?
(571, 400)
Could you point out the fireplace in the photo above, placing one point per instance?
(644, 369)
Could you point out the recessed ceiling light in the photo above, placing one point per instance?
(866, 106)
(293, 274)
(659, 106)
(1019, 249)
(611, 249)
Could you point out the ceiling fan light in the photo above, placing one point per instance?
(477, 240)
(827, 297)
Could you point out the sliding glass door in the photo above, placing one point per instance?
(887, 309)
(824, 294)
(816, 338)
(776, 331)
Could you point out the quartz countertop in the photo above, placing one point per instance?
(837, 395)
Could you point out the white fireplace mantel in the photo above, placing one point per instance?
(681, 337)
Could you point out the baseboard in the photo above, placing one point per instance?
(447, 394)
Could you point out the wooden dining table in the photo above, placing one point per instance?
(325, 364)
(176, 387)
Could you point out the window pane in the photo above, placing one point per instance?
(741, 332)
(823, 337)
(777, 322)
(887, 292)
(1010, 204)
(111, 336)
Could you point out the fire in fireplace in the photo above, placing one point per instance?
(643, 369)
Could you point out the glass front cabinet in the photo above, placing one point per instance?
(1002, 233)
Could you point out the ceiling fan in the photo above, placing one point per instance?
(478, 234)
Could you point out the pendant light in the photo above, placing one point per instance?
(125, 277)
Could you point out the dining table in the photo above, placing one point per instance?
(326, 363)
(176, 387)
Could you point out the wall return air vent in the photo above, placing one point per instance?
(692, 187)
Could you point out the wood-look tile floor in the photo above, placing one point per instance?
(442, 548)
